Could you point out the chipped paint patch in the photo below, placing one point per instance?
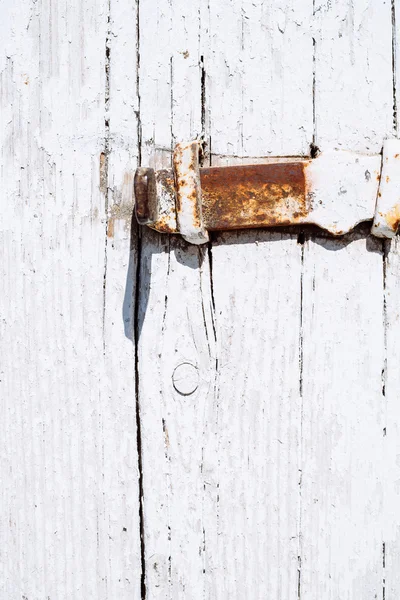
(188, 193)
(387, 213)
(103, 172)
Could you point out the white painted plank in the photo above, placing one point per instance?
(259, 77)
(353, 74)
(259, 94)
(155, 125)
(188, 528)
(155, 82)
(64, 433)
(120, 445)
(252, 464)
(391, 529)
(175, 319)
(175, 358)
(342, 424)
(342, 439)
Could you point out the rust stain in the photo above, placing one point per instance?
(110, 228)
(103, 173)
(393, 218)
(387, 178)
(166, 177)
(246, 196)
(185, 183)
(145, 195)
(147, 205)
(122, 204)
(396, 155)
(163, 225)
(119, 212)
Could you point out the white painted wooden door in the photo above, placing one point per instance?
(186, 422)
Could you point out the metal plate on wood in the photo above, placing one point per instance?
(335, 191)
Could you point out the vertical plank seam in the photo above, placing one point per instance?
(206, 157)
(171, 80)
(137, 325)
(301, 241)
(105, 158)
(394, 67)
(138, 424)
(314, 151)
(313, 146)
(205, 107)
(167, 455)
(385, 254)
(203, 97)
(384, 377)
(201, 255)
(215, 391)
(167, 458)
(385, 250)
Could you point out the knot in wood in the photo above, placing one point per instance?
(185, 379)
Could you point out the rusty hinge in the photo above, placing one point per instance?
(336, 191)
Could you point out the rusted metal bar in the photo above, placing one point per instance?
(254, 196)
(387, 212)
(335, 191)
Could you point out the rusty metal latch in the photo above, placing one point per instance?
(336, 191)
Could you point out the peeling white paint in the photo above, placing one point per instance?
(270, 466)
(387, 213)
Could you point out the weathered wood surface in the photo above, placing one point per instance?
(69, 519)
(265, 362)
(277, 475)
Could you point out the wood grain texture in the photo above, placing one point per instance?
(391, 499)
(175, 320)
(353, 80)
(266, 362)
(310, 505)
(342, 421)
(255, 276)
(343, 355)
(259, 77)
(173, 418)
(69, 501)
(253, 463)
(390, 377)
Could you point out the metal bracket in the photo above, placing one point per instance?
(336, 191)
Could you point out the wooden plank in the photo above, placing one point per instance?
(67, 442)
(119, 423)
(343, 333)
(256, 108)
(391, 431)
(155, 125)
(342, 422)
(176, 334)
(252, 463)
(259, 78)
(391, 537)
(174, 414)
(188, 527)
(353, 74)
